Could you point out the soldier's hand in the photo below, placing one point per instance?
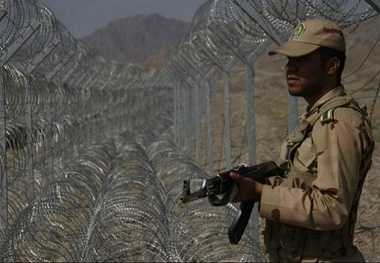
(249, 189)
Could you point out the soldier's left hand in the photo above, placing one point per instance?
(249, 189)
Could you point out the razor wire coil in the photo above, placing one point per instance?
(94, 153)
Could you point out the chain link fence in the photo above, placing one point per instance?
(94, 153)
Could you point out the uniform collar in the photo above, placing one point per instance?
(335, 92)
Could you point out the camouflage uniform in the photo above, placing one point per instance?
(311, 213)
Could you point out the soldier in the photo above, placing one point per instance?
(311, 212)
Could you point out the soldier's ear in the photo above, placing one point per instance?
(332, 65)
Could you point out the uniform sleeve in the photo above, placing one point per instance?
(325, 205)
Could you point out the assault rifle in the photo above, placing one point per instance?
(222, 184)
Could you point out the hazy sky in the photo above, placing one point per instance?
(82, 17)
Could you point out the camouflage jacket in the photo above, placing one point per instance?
(311, 213)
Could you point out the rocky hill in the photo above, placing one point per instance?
(136, 39)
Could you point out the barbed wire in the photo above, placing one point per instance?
(94, 153)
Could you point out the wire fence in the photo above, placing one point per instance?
(94, 153)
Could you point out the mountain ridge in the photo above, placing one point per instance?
(149, 39)
(136, 39)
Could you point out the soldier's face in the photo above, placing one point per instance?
(306, 77)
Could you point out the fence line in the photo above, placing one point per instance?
(93, 153)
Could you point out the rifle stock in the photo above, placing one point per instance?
(222, 184)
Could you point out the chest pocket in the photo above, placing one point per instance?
(305, 158)
(300, 149)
